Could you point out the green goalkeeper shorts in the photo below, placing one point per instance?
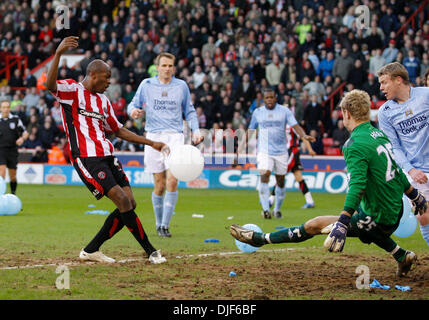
(367, 230)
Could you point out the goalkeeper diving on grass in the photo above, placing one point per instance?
(373, 206)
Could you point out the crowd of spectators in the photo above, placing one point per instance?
(227, 52)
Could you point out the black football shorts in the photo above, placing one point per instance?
(100, 174)
(9, 157)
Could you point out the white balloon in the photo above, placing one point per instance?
(13, 204)
(408, 222)
(2, 186)
(185, 162)
(3, 205)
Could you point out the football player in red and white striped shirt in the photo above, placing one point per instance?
(87, 116)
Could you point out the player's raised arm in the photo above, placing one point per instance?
(67, 43)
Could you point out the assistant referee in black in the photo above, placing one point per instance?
(12, 135)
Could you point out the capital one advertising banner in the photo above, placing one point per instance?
(322, 181)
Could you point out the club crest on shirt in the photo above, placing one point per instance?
(164, 94)
(270, 116)
(408, 113)
(12, 125)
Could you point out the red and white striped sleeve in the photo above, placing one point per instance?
(111, 124)
(66, 90)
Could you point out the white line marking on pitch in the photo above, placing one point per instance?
(32, 266)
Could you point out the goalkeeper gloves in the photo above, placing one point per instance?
(337, 238)
(419, 201)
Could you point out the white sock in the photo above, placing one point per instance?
(264, 195)
(280, 194)
(308, 198)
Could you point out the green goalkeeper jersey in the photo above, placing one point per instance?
(375, 180)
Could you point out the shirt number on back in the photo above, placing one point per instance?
(387, 150)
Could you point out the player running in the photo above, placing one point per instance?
(87, 115)
(373, 206)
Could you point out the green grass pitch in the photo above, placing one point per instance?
(53, 227)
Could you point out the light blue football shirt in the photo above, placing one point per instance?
(165, 105)
(271, 125)
(407, 127)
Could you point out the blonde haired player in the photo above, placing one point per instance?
(164, 99)
(404, 117)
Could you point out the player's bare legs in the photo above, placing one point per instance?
(130, 196)
(3, 171)
(159, 180)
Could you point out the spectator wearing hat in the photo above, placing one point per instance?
(389, 54)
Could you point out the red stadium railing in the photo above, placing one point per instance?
(412, 19)
(10, 61)
(331, 98)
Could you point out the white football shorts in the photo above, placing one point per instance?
(154, 161)
(276, 164)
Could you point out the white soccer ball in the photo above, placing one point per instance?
(185, 162)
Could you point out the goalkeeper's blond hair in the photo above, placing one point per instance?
(358, 103)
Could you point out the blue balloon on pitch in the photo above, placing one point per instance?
(13, 204)
(2, 186)
(408, 223)
(3, 205)
(244, 246)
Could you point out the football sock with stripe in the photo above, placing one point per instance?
(132, 221)
(292, 234)
(264, 195)
(112, 225)
(280, 194)
(392, 247)
(307, 194)
(398, 253)
(170, 201)
(158, 204)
